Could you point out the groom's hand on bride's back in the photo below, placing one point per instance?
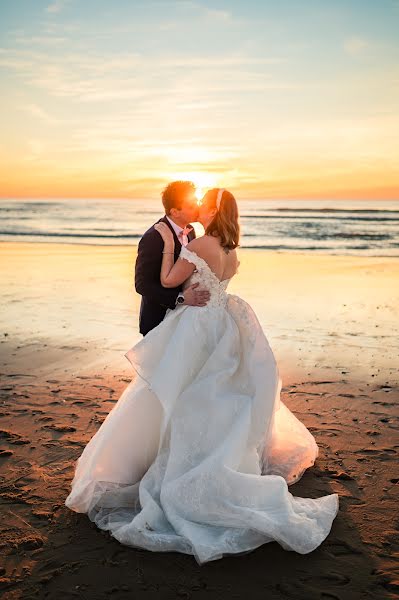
(195, 297)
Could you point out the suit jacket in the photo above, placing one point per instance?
(155, 299)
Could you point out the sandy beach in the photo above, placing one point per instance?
(70, 312)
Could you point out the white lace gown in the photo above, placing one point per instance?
(198, 453)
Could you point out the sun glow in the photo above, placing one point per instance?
(202, 180)
(122, 115)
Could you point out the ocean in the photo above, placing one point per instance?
(324, 226)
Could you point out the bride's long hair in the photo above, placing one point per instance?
(225, 222)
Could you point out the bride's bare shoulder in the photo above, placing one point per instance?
(209, 249)
(197, 244)
(205, 246)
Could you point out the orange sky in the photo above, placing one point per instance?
(287, 101)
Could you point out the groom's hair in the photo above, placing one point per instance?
(174, 194)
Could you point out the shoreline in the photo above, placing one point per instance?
(76, 306)
(263, 249)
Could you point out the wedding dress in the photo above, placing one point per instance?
(198, 453)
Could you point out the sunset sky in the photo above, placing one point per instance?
(290, 99)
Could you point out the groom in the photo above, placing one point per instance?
(181, 208)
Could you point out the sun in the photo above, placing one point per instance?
(202, 180)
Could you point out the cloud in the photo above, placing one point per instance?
(355, 45)
(43, 40)
(57, 6)
(218, 15)
(36, 149)
(37, 111)
(191, 80)
(199, 9)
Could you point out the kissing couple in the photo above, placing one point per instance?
(199, 451)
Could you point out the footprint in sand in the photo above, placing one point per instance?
(13, 438)
(384, 403)
(60, 428)
(342, 547)
(327, 578)
(380, 453)
(342, 475)
(327, 431)
(4, 453)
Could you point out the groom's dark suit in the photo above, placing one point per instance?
(155, 299)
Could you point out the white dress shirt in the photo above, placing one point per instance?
(178, 230)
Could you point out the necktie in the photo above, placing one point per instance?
(183, 235)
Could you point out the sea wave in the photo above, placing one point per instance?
(76, 235)
(361, 227)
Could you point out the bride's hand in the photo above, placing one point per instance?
(166, 235)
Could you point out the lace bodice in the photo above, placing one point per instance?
(204, 274)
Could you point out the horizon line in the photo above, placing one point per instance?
(246, 199)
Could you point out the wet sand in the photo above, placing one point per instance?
(68, 315)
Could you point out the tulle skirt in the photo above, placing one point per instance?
(198, 453)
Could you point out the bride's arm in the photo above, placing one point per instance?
(173, 273)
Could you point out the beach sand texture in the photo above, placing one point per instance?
(70, 312)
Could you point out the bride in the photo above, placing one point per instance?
(198, 453)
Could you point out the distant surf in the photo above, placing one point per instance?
(323, 226)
